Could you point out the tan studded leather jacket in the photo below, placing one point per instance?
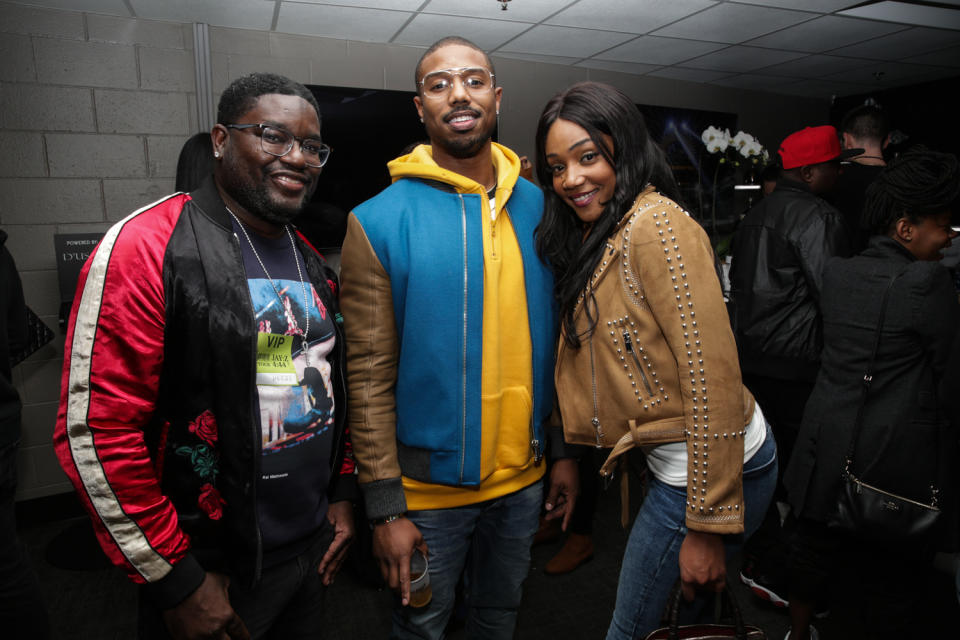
(661, 365)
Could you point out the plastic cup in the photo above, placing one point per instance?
(420, 591)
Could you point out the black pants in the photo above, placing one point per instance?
(878, 588)
(22, 610)
(287, 603)
(782, 403)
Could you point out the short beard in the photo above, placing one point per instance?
(257, 202)
(255, 198)
(466, 147)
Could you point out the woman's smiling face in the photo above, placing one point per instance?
(582, 177)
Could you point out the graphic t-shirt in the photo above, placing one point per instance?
(294, 390)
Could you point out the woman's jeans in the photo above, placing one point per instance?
(650, 563)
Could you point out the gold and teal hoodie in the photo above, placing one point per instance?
(451, 331)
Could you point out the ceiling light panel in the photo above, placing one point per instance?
(627, 15)
(733, 23)
(919, 15)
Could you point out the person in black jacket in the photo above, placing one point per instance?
(22, 611)
(204, 325)
(902, 446)
(776, 275)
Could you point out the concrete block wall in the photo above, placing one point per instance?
(93, 112)
(94, 109)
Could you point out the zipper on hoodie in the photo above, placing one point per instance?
(463, 390)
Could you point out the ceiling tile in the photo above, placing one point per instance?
(903, 44)
(521, 10)
(825, 33)
(754, 82)
(821, 6)
(945, 57)
(815, 66)
(688, 75)
(627, 15)
(400, 5)
(564, 41)
(893, 74)
(741, 59)
(623, 67)
(425, 29)
(657, 51)
(902, 12)
(823, 89)
(345, 23)
(109, 7)
(733, 23)
(532, 57)
(241, 14)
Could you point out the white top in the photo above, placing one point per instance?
(668, 462)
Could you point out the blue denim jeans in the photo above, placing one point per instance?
(650, 563)
(490, 542)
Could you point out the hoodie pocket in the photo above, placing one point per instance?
(506, 424)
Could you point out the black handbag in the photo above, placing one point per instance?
(869, 512)
(675, 631)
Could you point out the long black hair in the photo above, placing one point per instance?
(636, 160)
(917, 184)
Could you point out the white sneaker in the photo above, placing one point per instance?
(813, 634)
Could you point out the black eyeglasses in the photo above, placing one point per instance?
(278, 142)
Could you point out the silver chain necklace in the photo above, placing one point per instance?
(303, 286)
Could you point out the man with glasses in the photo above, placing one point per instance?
(452, 330)
(202, 408)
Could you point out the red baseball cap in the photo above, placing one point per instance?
(813, 145)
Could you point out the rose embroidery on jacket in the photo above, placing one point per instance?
(203, 460)
(204, 426)
(210, 501)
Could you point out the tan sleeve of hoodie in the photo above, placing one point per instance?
(372, 354)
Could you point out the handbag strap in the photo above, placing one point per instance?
(868, 376)
(673, 612)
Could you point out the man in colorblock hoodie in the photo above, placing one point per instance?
(451, 336)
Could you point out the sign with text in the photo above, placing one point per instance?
(72, 250)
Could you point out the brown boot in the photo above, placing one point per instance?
(548, 531)
(576, 550)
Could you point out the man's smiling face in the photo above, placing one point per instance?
(461, 120)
